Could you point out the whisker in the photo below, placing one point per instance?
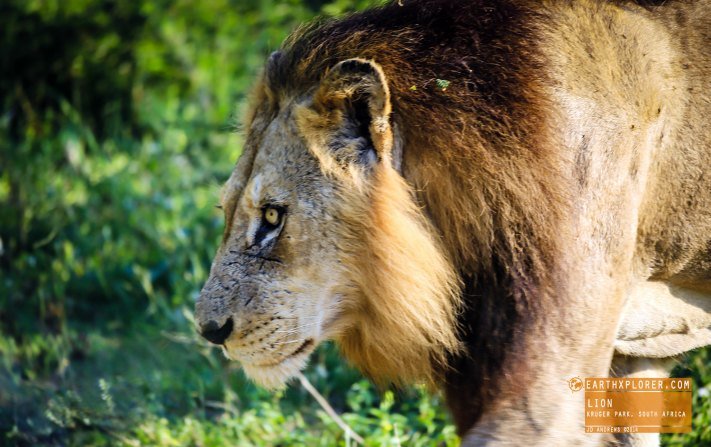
(297, 328)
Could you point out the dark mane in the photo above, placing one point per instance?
(465, 80)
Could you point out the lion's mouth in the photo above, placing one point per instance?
(304, 346)
(308, 343)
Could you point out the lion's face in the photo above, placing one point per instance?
(277, 271)
(322, 240)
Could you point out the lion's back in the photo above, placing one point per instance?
(632, 81)
(676, 224)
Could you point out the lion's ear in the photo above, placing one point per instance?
(351, 118)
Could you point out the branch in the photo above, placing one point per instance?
(329, 409)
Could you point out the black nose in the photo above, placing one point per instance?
(214, 333)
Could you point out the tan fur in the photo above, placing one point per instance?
(408, 292)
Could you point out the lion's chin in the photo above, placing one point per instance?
(275, 375)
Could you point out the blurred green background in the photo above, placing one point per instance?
(116, 132)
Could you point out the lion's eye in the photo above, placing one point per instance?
(272, 216)
(270, 225)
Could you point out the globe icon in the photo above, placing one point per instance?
(575, 384)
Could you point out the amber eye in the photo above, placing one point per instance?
(272, 216)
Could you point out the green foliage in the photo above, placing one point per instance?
(116, 131)
(697, 366)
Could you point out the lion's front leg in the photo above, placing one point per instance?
(533, 404)
(546, 412)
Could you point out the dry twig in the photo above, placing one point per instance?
(329, 409)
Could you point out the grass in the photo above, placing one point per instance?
(168, 388)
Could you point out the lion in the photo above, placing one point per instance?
(489, 197)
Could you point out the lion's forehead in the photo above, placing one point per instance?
(283, 155)
(285, 171)
(282, 171)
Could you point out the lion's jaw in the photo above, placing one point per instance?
(275, 375)
(271, 362)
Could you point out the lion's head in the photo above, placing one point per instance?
(324, 240)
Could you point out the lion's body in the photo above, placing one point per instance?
(486, 198)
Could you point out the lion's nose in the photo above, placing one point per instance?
(214, 333)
